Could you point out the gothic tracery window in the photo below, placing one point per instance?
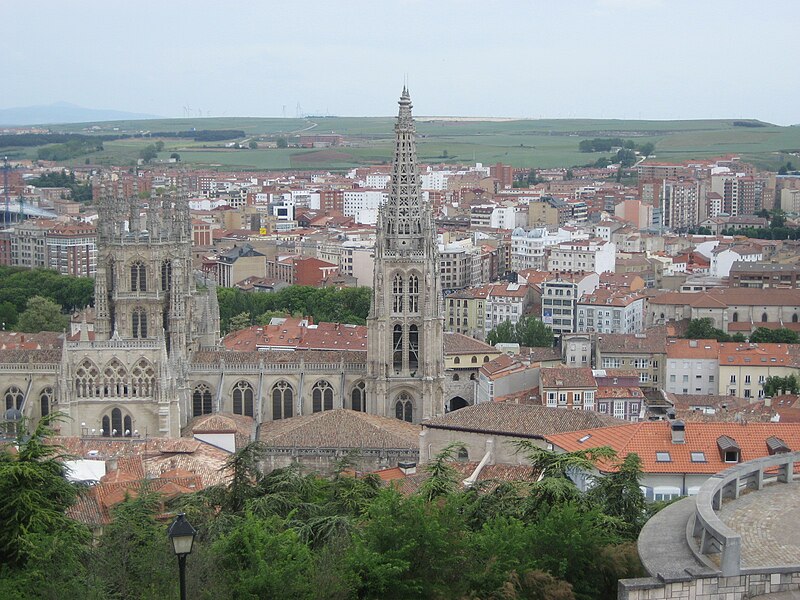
(322, 396)
(404, 407)
(166, 276)
(87, 379)
(358, 397)
(413, 347)
(282, 400)
(115, 379)
(138, 277)
(201, 400)
(397, 347)
(139, 323)
(143, 379)
(413, 294)
(14, 397)
(45, 401)
(243, 399)
(397, 294)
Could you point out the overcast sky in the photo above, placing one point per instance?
(663, 59)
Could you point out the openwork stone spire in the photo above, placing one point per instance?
(402, 220)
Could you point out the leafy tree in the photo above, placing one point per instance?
(504, 333)
(549, 463)
(704, 231)
(442, 476)
(647, 148)
(159, 146)
(134, 555)
(774, 336)
(175, 156)
(626, 157)
(8, 315)
(618, 495)
(36, 494)
(240, 321)
(148, 153)
(42, 314)
(528, 331)
(253, 145)
(282, 143)
(703, 329)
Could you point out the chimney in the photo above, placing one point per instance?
(407, 467)
(768, 401)
(678, 431)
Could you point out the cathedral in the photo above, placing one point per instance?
(154, 360)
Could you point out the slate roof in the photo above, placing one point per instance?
(632, 343)
(648, 437)
(340, 428)
(518, 420)
(565, 377)
(39, 357)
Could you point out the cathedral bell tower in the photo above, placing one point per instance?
(404, 353)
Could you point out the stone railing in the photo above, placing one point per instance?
(714, 536)
(277, 367)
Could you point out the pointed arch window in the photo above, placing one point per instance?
(243, 399)
(166, 276)
(397, 294)
(139, 323)
(322, 396)
(404, 407)
(735, 317)
(282, 400)
(86, 379)
(116, 423)
(143, 379)
(201, 400)
(413, 294)
(794, 318)
(358, 397)
(763, 317)
(45, 401)
(14, 397)
(138, 277)
(413, 347)
(397, 347)
(115, 379)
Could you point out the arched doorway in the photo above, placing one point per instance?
(455, 403)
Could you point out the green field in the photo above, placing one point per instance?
(540, 143)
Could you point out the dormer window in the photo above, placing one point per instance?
(729, 449)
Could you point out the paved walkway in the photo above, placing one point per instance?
(769, 523)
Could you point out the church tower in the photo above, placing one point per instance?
(404, 354)
(131, 378)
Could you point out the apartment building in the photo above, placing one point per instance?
(692, 367)
(465, 312)
(529, 248)
(560, 295)
(762, 275)
(744, 368)
(507, 302)
(300, 270)
(71, 249)
(583, 255)
(643, 353)
(681, 204)
(607, 310)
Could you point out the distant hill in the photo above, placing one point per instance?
(63, 112)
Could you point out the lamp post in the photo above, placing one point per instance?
(181, 534)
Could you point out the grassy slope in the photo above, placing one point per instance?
(522, 143)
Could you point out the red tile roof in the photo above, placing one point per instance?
(648, 437)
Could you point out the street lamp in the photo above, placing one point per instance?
(181, 534)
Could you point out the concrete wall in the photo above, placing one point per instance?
(434, 440)
(710, 588)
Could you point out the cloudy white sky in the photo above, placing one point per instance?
(662, 59)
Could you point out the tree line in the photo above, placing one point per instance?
(79, 191)
(238, 309)
(528, 331)
(287, 534)
(43, 292)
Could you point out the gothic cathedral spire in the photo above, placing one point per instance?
(405, 354)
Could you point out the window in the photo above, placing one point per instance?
(710, 379)
(463, 454)
(166, 276)
(397, 294)
(619, 409)
(474, 360)
(138, 277)
(672, 378)
(763, 317)
(562, 398)
(45, 400)
(322, 396)
(732, 456)
(663, 457)
(733, 378)
(551, 398)
(403, 408)
(282, 401)
(685, 379)
(397, 345)
(243, 399)
(413, 347)
(698, 457)
(14, 398)
(576, 398)
(358, 397)
(413, 294)
(86, 379)
(201, 400)
(736, 317)
(456, 361)
(139, 323)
